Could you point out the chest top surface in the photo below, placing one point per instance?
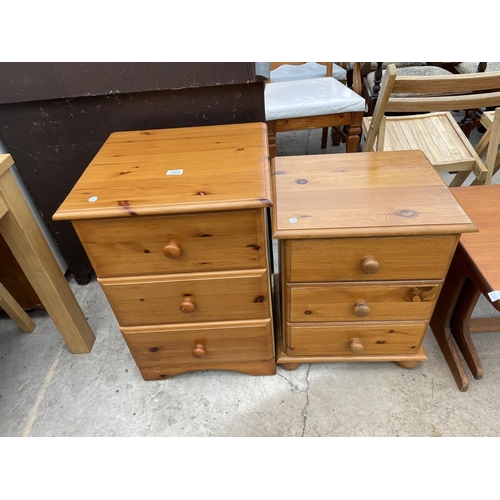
(362, 194)
(155, 172)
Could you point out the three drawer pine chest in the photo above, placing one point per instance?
(174, 223)
(365, 241)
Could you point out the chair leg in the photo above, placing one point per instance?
(336, 136)
(353, 132)
(324, 138)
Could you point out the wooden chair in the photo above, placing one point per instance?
(436, 131)
(310, 103)
(372, 72)
(490, 143)
(472, 117)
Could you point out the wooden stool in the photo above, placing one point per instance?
(28, 245)
(474, 270)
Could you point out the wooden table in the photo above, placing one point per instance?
(474, 271)
(31, 250)
(366, 240)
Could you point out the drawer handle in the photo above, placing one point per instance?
(187, 305)
(361, 309)
(172, 250)
(356, 346)
(198, 351)
(370, 265)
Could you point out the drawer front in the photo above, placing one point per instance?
(361, 302)
(175, 244)
(189, 298)
(354, 339)
(201, 344)
(369, 259)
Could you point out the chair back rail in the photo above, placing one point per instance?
(438, 93)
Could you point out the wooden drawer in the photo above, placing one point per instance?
(393, 258)
(354, 339)
(377, 301)
(228, 342)
(154, 300)
(210, 241)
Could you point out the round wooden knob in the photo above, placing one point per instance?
(172, 250)
(370, 265)
(356, 346)
(187, 305)
(198, 351)
(361, 309)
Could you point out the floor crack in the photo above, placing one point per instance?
(306, 392)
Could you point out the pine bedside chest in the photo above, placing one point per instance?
(174, 224)
(365, 240)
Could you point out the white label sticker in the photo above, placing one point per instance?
(494, 295)
(94, 198)
(175, 172)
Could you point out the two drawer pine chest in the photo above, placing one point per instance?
(174, 224)
(365, 241)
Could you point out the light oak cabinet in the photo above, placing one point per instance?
(174, 224)
(365, 241)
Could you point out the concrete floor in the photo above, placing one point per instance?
(47, 391)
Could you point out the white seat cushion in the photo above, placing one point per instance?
(289, 72)
(310, 97)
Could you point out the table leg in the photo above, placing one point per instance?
(441, 320)
(460, 327)
(28, 245)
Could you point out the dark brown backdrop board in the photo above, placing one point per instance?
(56, 116)
(15, 281)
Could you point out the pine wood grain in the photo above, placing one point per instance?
(226, 342)
(337, 301)
(334, 339)
(209, 241)
(362, 194)
(340, 259)
(256, 368)
(128, 176)
(154, 300)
